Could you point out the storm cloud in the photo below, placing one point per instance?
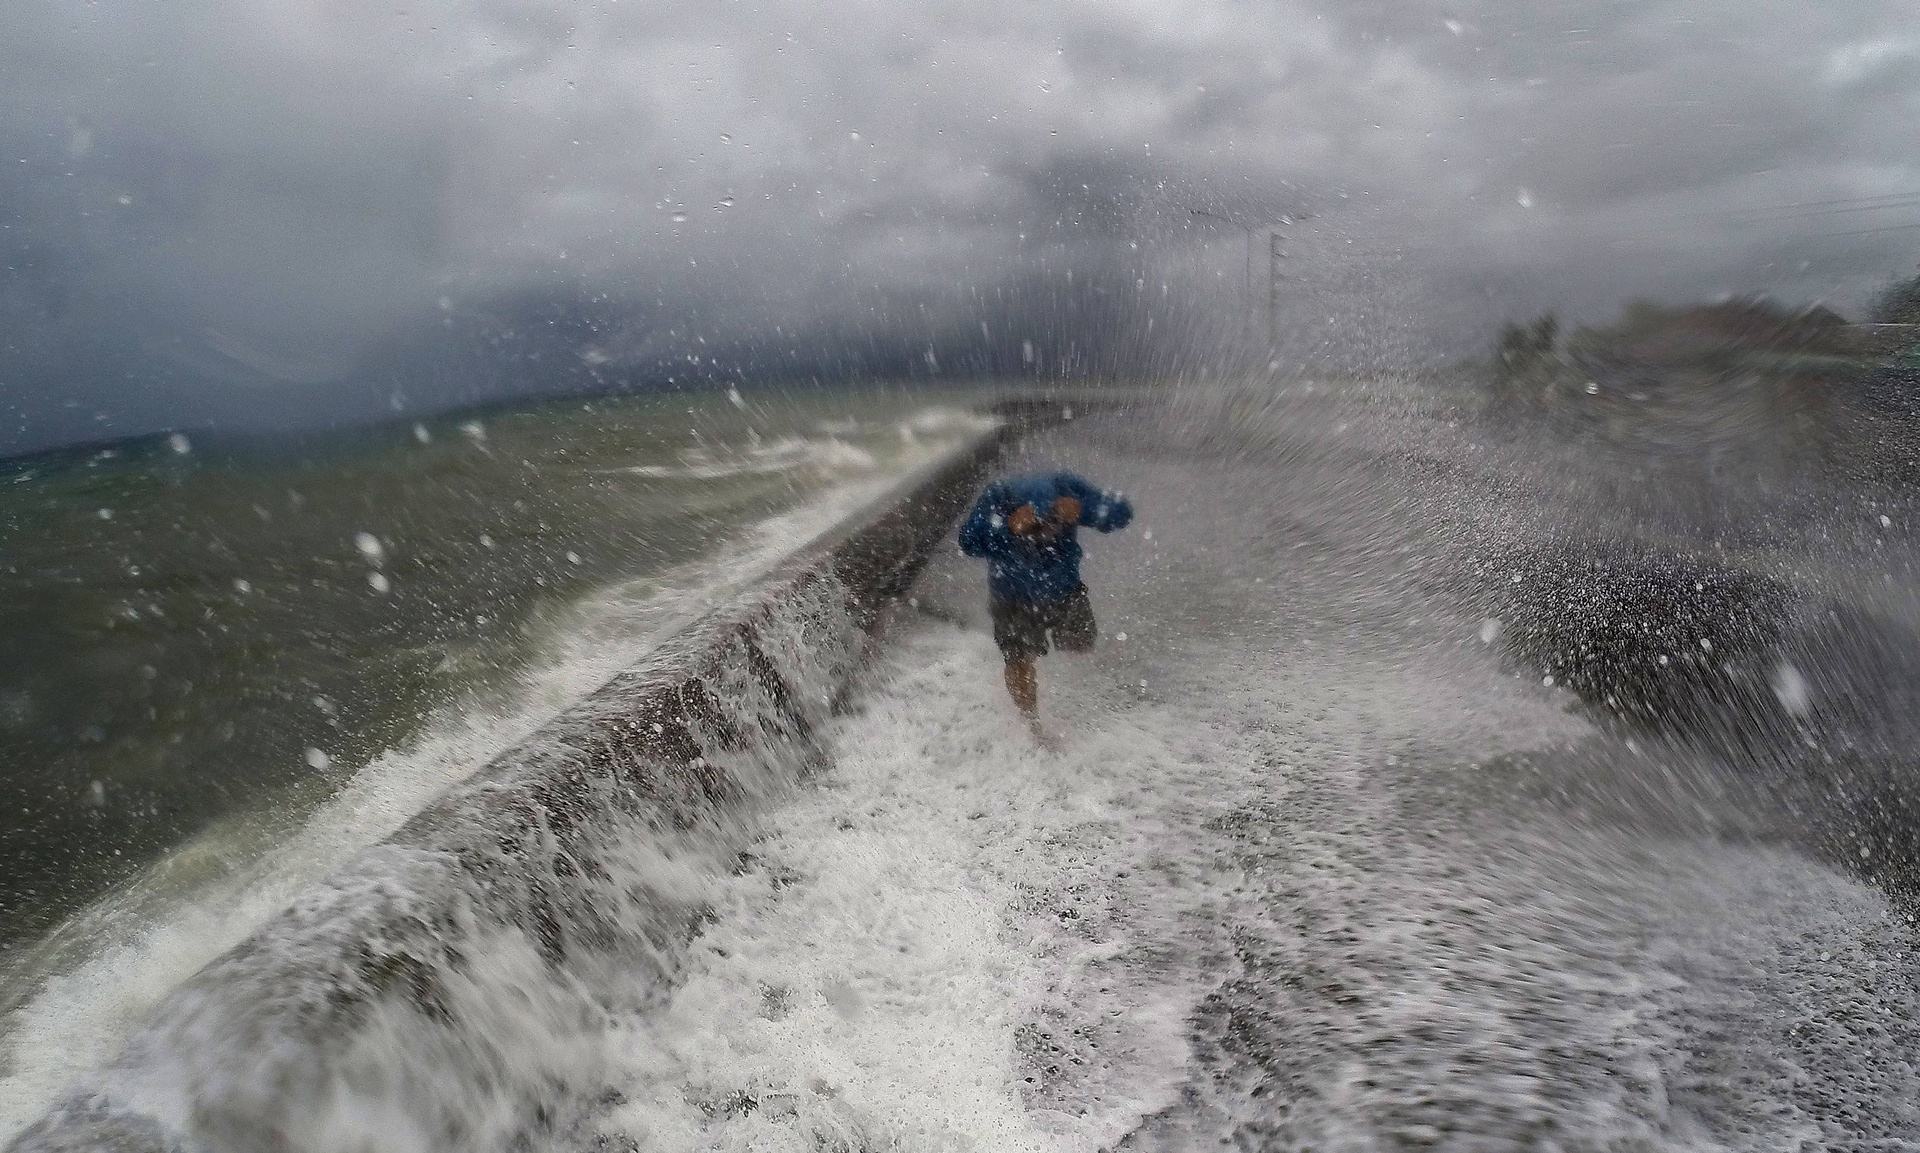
(227, 212)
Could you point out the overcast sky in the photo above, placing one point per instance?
(260, 192)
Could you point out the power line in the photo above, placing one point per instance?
(1843, 200)
(1884, 206)
(1678, 219)
(1867, 231)
(1653, 233)
(1787, 210)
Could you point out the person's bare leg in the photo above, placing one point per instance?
(1023, 686)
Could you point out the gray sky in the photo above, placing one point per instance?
(215, 209)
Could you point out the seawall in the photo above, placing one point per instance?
(458, 968)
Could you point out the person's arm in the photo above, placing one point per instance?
(1100, 510)
(984, 533)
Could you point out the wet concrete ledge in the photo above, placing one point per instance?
(533, 852)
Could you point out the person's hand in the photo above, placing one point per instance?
(1023, 521)
(1066, 510)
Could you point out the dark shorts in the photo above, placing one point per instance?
(1021, 628)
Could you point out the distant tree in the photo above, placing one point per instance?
(1899, 302)
(1546, 333)
(1513, 347)
(1525, 350)
(1641, 316)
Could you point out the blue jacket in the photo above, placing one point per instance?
(1026, 569)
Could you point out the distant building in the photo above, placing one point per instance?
(1739, 325)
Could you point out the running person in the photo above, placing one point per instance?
(1027, 529)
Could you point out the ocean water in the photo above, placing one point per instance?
(228, 666)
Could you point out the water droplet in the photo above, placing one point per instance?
(726, 138)
(1454, 26)
(242, 586)
(104, 514)
(1525, 197)
(421, 434)
(573, 557)
(733, 396)
(678, 218)
(1490, 630)
(179, 443)
(725, 203)
(317, 758)
(379, 582)
(370, 546)
(1791, 689)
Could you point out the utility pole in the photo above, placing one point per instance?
(1274, 256)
